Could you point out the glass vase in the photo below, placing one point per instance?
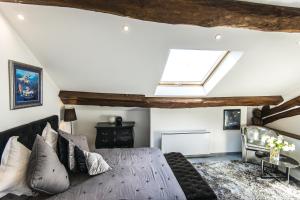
(274, 154)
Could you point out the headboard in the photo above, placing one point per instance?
(27, 132)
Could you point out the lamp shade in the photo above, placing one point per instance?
(70, 115)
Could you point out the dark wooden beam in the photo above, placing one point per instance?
(289, 113)
(266, 111)
(168, 102)
(102, 99)
(103, 96)
(133, 100)
(291, 135)
(206, 13)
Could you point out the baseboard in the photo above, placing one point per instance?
(212, 155)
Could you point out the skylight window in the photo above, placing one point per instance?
(190, 67)
(195, 72)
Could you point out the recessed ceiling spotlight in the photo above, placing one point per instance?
(218, 37)
(126, 28)
(20, 17)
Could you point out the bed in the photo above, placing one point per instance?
(140, 173)
(137, 173)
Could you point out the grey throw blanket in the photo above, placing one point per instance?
(137, 174)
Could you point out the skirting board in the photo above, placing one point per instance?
(212, 155)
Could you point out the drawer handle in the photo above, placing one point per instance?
(104, 133)
(104, 140)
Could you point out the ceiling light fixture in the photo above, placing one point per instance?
(20, 17)
(218, 37)
(126, 28)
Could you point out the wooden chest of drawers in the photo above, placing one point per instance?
(112, 136)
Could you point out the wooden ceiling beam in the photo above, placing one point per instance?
(282, 115)
(267, 111)
(168, 102)
(206, 13)
(102, 99)
(133, 100)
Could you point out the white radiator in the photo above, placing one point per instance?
(190, 143)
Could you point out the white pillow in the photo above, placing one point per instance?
(13, 169)
(95, 163)
(50, 136)
(5, 154)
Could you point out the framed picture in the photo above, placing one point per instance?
(232, 119)
(26, 89)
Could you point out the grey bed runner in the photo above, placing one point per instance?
(136, 174)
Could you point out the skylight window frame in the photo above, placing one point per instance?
(197, 83)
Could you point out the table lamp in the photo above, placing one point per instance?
(70, 116)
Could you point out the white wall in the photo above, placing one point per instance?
(88, 116)
(12, 47)
(210, 119)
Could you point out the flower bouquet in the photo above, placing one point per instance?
(276, 145)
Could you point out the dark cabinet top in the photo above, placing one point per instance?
(113, 125)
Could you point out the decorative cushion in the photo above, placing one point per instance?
(67, 145)
(80, 160)
(82, 143)
(95, 163)
(45, 172)
(63, 145)
(50, 136)
(91, 163)
(13, 169)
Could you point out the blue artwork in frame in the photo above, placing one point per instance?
(25, 85)
(232, 119)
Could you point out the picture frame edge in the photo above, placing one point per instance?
(11, 84)
(227, 128)
(12, 88)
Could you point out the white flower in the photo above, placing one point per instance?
(272, 139)
(264, 138)
(272, 145)
(289, 147)
(285, 148)
(278, 142)
(292, 147)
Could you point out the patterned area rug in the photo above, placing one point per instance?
(235, 180)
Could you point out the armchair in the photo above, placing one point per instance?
(252, 139)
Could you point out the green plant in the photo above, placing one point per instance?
(278, 143)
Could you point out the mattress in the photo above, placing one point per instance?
(140, 173)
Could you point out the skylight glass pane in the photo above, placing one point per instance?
(185, 66)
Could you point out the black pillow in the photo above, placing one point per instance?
(80, 160)
(63, 151)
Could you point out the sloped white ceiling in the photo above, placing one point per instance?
(88, 51)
